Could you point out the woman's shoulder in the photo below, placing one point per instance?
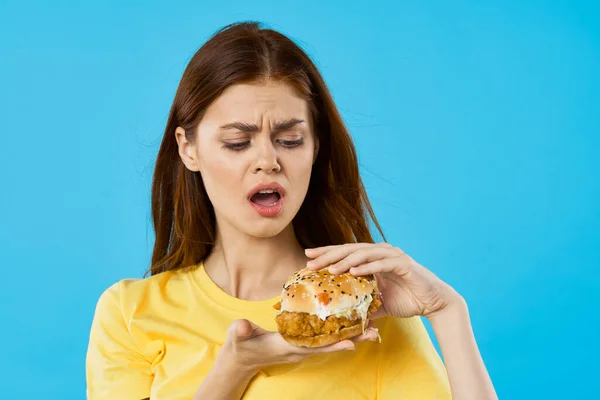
(129, 293)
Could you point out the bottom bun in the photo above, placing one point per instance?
(325, 339)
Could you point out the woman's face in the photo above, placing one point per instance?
(254, 137)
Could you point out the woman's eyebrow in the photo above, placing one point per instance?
(253, 128)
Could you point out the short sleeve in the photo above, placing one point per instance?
(115, 368)
(409, 366)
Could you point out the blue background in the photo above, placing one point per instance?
(478, 130)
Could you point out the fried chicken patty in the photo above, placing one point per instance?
(303, 324)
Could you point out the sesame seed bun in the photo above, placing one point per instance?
(321, 293)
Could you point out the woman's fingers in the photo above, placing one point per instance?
(252, 345)
(242, 329)
(332, 348)
(334, 254)
(340, 346)
(363, 256)
(292, 354)
(324, 256)
(371, 334)
(317, 251)
(399, 265)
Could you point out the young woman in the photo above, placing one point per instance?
(257, 178)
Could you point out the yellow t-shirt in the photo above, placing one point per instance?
(158, 337)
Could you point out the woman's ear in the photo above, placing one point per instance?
(187, 151)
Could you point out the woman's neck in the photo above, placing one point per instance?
(252, 268)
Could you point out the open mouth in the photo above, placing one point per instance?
(266, 198)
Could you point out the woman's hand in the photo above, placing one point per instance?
(407, 288)
(248, 347)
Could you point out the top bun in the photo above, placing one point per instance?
(323, 294)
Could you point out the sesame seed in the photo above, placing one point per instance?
(293, 295)
(343, 292)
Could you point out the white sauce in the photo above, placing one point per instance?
(361, 308)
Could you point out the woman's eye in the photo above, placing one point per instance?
(239, 146)
(291, 143)
(236, 146)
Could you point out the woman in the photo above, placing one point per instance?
(256, 178)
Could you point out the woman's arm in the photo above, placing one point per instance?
(468, 376)
(408, 289)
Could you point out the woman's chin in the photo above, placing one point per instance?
(266, 230)
(265, 227)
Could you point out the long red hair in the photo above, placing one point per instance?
(336, 209)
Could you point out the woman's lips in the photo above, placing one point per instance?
(267, 186)
(268, 210)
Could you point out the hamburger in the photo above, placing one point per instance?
(318, 308)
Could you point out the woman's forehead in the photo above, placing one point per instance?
(252, 102)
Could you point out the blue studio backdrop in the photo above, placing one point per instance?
(478, 131)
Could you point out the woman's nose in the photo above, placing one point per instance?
(266, 159)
